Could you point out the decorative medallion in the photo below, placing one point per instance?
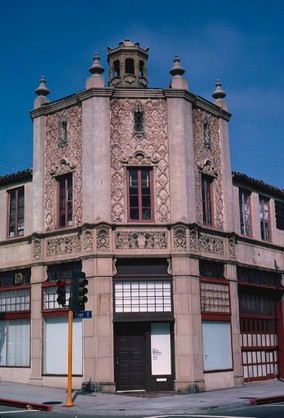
(103, 239)
(179, 238)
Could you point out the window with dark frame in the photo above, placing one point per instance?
(16, 212)
(279, 214)
(264, 218)
(207, 199)
(215, 317)
(15, 297)
(138, 121)
(245, 214)
(129, 66)
(65, 204)
(140, 194)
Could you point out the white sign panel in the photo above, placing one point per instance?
(161, 348)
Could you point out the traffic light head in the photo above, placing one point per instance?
(61, 293)
(79, 291)
(82, 290)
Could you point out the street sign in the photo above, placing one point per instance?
(82, 314)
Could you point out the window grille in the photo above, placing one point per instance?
(50, 297)
(15, 300)
(143, 296)
(215, 297)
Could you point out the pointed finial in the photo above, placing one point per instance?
(219, 92)
(42, 90)
(96, 67)
(177, 68)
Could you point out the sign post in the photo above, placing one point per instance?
(69, 401)
(76, 310)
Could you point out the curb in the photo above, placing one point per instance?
(25, 404)
(269, 399)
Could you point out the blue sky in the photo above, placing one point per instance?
(241, 42)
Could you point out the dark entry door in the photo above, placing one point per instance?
(130, 356)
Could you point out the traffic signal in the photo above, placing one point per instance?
(61, 292)
(79, 291)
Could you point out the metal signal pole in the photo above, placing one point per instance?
(69, 401)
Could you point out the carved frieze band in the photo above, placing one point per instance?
(63, 245)
(200, 242)
(141, 240)
(70, 244)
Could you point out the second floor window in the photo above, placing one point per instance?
(245, 221)
(207, 199)
(65, 197)
(264, 218)
(140, 194)
(16, 199)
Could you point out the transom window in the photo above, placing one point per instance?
(65, 193)
(245, 219)
(264, 218)
(143, 296)
(207, 199)
(15, 300)
(50, 297)
(140, 194)
(16, 212)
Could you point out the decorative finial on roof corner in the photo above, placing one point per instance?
(42, 90)
(177, 68)
(219, 92)
(96, 67)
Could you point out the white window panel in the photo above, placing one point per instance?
(56, 346)
(217, 351)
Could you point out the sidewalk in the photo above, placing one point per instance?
(148, 404)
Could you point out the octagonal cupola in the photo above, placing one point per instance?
(128, 65)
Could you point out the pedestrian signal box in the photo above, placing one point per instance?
(61, 293)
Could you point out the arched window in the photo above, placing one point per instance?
(141, 69)
(116, 68)
(129, 66)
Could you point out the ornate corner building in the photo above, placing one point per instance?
(133, 185)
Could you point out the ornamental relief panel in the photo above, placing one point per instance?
(36, 248)
(63, 245)
(207, 155)
(141, 240)
(179, 238)
(128, 148)
(63, 154)
(200, 242)
(103, 239)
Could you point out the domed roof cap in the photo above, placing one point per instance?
(42, 90)
(219, 92)
(96, 67)
(177, 68)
